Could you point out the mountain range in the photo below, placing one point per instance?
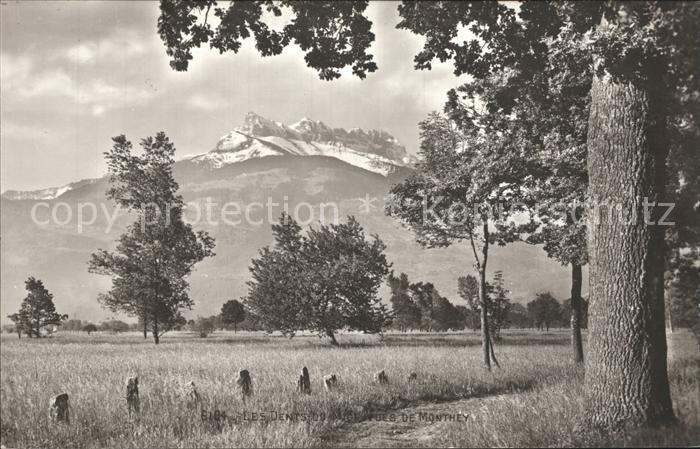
(263, 167)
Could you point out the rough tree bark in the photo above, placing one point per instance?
(626, 380)
(576, 342)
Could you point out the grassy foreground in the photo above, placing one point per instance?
(539, 390)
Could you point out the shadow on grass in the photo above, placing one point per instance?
(338, 434)
(456, 341)
(460, 341)
(475, 392)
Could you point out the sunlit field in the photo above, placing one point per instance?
(538, 398)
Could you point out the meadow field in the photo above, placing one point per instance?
(535, 399)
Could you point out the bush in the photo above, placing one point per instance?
(203, 326)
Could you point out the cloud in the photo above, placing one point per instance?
(101, 74)
(126, 43)
(13, 68)
(97, 94)
(205, 103)
(80, 54)
(50, 83)
(11, 129)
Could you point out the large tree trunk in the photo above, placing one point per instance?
(576, 343)
(626, 377)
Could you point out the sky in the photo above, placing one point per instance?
(74, 74)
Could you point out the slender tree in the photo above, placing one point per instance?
(458, 193)
(154, 257)
(546, 112)
(545, 115)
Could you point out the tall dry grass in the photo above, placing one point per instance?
(92, 370)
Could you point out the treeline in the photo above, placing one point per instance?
(233, 317)
(201, 325)
(37, 318)
(419, 306)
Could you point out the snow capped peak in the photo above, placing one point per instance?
(257, 125)
(258, 136)
(50, 193)
(314, 130)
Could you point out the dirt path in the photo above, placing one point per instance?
(416, 426)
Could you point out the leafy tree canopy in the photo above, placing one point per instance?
(333, 35)
(323, 281)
